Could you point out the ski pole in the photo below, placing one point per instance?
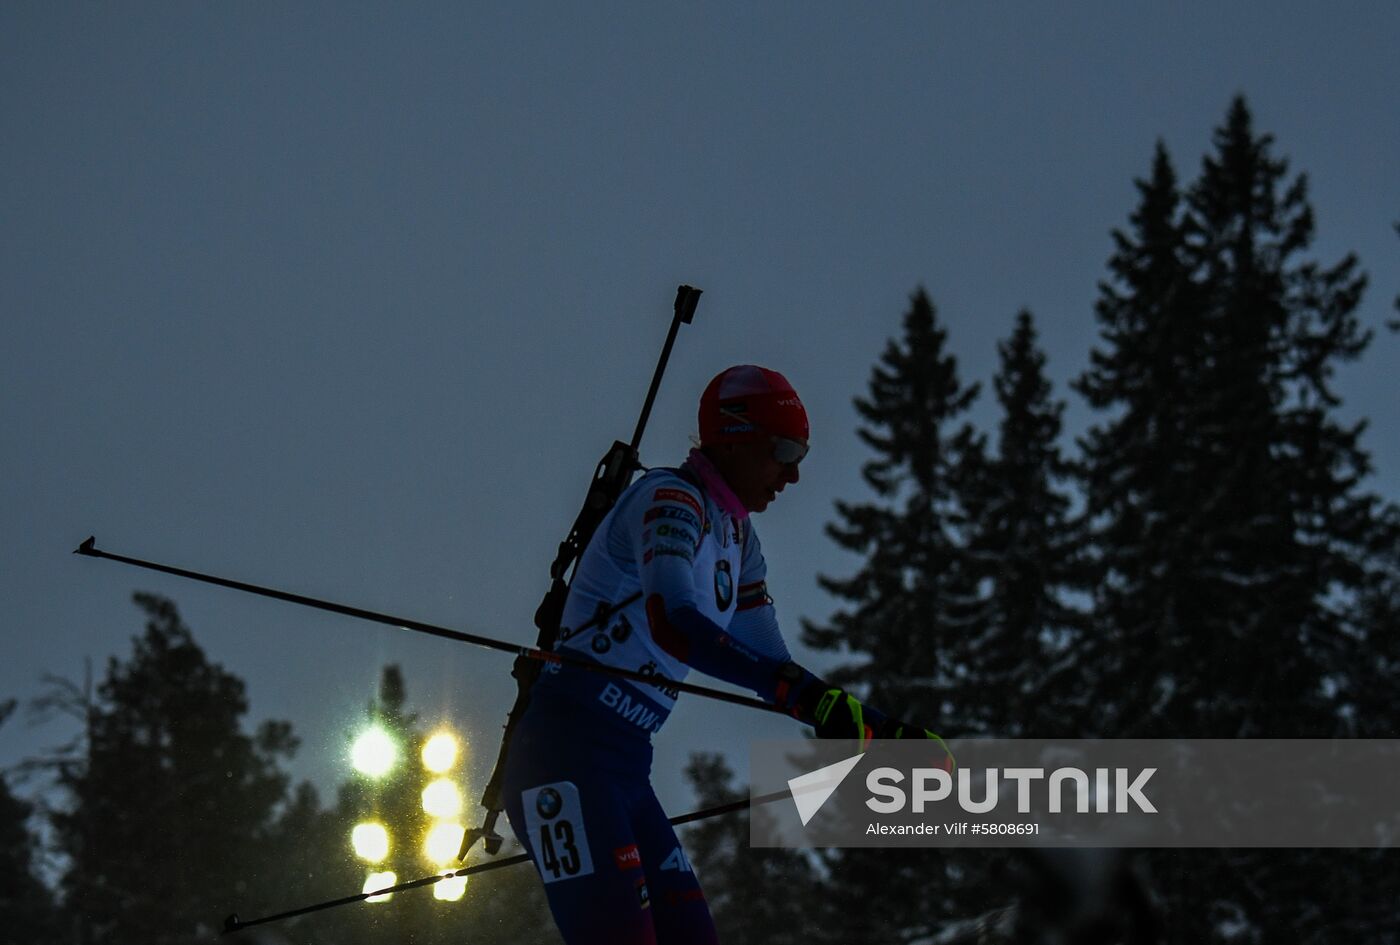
(90, 549)
(234, 924)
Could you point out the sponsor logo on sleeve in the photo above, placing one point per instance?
(679, 551)
(678, 495)
(675, 531)
(670, 512)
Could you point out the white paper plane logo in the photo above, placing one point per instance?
(810, 791)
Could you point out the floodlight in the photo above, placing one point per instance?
(371, 842)
(374, 752)
(380, 881)
(442, 843)
(442, 799)
(440, 753)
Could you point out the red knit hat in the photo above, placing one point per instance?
(747, 402)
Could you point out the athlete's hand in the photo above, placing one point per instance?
(835, 713)
(832, 711)
(838, 714)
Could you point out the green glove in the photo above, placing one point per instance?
(835, 713)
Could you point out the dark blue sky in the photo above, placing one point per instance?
(349, 299)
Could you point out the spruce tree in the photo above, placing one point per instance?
(1142, 495)
(914, 600)
(914, 615)
(171, 802)
(1233, 534)
(1290, 557)
(1028, 549)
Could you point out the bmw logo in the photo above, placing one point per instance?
(548, 802)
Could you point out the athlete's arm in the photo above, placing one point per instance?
(669, 536)
(755, 620)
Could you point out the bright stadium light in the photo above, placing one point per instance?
(374, 752)
(440, 754)
(380, 881)
(442, 799)
(442, 843)
(451, 889)
(370, 841)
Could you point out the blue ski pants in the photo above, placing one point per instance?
(583, 807)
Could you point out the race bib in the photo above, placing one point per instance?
(554, 819)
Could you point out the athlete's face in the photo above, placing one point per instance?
(754, 472)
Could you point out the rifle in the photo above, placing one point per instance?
(612, 475)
